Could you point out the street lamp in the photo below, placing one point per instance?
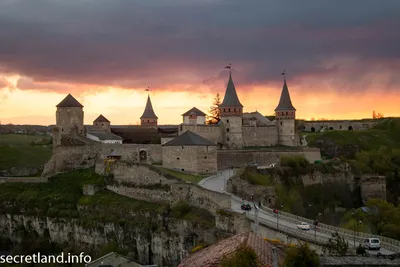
(315, 226)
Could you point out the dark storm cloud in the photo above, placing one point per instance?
(141, 43)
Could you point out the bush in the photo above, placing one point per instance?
(361, 250)
(243, 257)
(301, 256)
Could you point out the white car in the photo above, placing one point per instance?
(303, 226)
(372, 243)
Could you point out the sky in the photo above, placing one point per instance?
(342, 58)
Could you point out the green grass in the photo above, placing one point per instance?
(17, 150)
(62, 195)
(253, 177)
(182, 175)
(386, 133)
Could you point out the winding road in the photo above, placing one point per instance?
(218, 183)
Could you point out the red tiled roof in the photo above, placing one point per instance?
(212, 255)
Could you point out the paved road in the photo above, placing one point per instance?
(218, 183)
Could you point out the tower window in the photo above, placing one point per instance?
(234, 109)
(227, 130)
(227, 139)
(148, 121)
(281, 123)
(227, 121)
(102, 124)
(286, 113)
(229, 110)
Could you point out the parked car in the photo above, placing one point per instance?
(303, 226)
(372, 243)
(245, 207)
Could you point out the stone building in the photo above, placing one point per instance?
(237, 129)
(148, 118)
(190, 152)
(194, 116)
(102, 123)
(69, 119)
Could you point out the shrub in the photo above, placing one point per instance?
(243, 257)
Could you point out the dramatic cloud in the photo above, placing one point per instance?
(179, 43)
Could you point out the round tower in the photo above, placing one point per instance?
(285, 115)
(69, 117)
(231, 113)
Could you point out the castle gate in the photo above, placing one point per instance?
(143, 155)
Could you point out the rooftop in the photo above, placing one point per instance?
(102, 134)
(189, 138)
(285, 103)
(69, 102)
(101, 118)
(231, 98)
(212, 255)
(148, 111)
(194, 110)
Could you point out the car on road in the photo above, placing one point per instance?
(245, 207)
(372, 243)
(303, 226)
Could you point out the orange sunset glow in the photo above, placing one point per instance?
(336, 68)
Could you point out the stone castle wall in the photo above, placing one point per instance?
(325, 178)
(260, 135)
(69, 118)
(194, 159)
(232, 222)
(286, 132)
(140, 182)
(264, 157)
(373, 186)
(343, 125)
(210, 132)
(69, 158)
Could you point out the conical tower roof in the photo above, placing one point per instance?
(285, 103)
(148, 110)
(231, 98)
(69, 102)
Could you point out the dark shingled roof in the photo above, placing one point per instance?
(69, 102)
(148, 111)
(231, 98)
(189, 138)
(194, 110)
(101, 118)
(285, 103)
(102, 134)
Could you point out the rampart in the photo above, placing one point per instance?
(262, 156)
(373, 186)
(260, 135)
(69, 158)
(146, 183)
(339, 125)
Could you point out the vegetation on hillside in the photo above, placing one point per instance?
(301, 256)
(62, 195)
(385, 133)
(182, 175)
(19, 150)
(244, 256)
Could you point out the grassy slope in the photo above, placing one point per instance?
(60, 196)
(386, 133)
(17, 150)
(183, 176)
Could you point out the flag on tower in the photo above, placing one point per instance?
(147, 89)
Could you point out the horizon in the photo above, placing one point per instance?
(341, 62)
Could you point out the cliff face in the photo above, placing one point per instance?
(164, 243)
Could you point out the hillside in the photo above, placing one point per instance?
(23, 151)
(385, 133)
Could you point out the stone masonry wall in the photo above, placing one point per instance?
(264, 157)
(140, 182)
(373, 186)
(232, 222)
(68, 158)
(194, 159)
(260, 135)
(210, 132)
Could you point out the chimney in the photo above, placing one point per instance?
(274, 258)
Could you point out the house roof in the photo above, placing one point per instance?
(69, 102)
(231, 98)
(113, 259)
(101, 118)
(189, 138)
(102, 134)
(148, 111)
(285, 103)
(194, 110)
(212, 255)
(261, 119)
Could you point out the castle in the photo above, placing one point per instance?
(235, 129)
